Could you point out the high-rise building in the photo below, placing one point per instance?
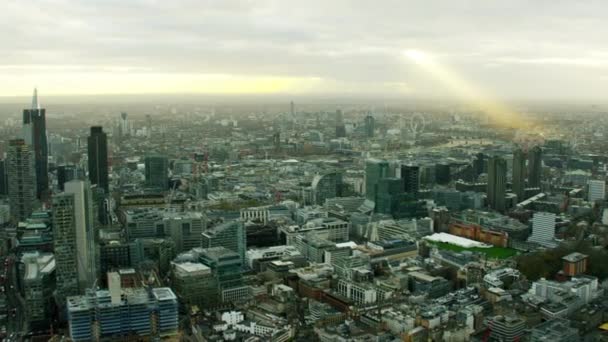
(543, 228)
(66, 254)
(411, 178)
(157, 171)
(442, 174)
(38, 286)
(519, 174)
(370, 126)
(596, 190)
(497, 182)
(34, 134)
(375, 170)
(3, 178)
(230, 235)
(340, 128)
(326, 186)
(98, 158)
(66, 173)
(21, 180)
(479, 164)
(84, 218)
(535, 166)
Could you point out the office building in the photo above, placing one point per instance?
(596, 190)
(410, 174)
(575, 264)
(497, 182)
(157, 172)
(84, 218)
(66, 254)
(340, 128)
(185, 229)
(519, 174)
(326, 186)
(480, 164)
(195, 284)
(3, 178)
(230, 235)
(66, 173)
(535, 167)
(557, 330)
(227, 268)
(369, 126)
(118, 314)
(38, 286)
(505, 328)
(375, 170)
(98, 158)
(34, 134)
(21, 180)
(543, 228)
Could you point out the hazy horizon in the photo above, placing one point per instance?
(516, 50)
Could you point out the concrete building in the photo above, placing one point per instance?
(84, 218)
(114, 314)
(575, 264)
(596, 190)
(543, 228)
(21, 173)
(497, 182)
(519, 174)
(38, 286)
(157, 172)
(195, 284)
(557, 330)
(505, 328)
(227, 270)
(185, 229)
(230, 235)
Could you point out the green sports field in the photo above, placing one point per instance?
(492, 252)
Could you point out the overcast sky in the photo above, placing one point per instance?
(511, 49)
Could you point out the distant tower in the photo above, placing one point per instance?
(479, 164)
(34, 134)
(340, 129)
(98, 158)
(149, 125)
(157, 171)
(3, 178)
(21, 180)
(519, 174)
(497, 179)
(124, 125)
(369, 126)
(535, 165)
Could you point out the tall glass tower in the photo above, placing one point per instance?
(98, 158)
(34, 134)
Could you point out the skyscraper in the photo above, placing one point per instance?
(369, 126)
(84, 218)
(340, 129)
(535, 165)
(375, 170)
(34, 134)
(497, 180)
(519, 174)
(21, 180)
(98, 158)
(411, 178)
(66, 173)
(3, 178)
(64, 238)
(157, 171)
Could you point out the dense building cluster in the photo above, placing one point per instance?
(197, 223)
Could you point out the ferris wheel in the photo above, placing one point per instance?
(417, 124)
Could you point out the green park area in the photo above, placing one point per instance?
(492, 252)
